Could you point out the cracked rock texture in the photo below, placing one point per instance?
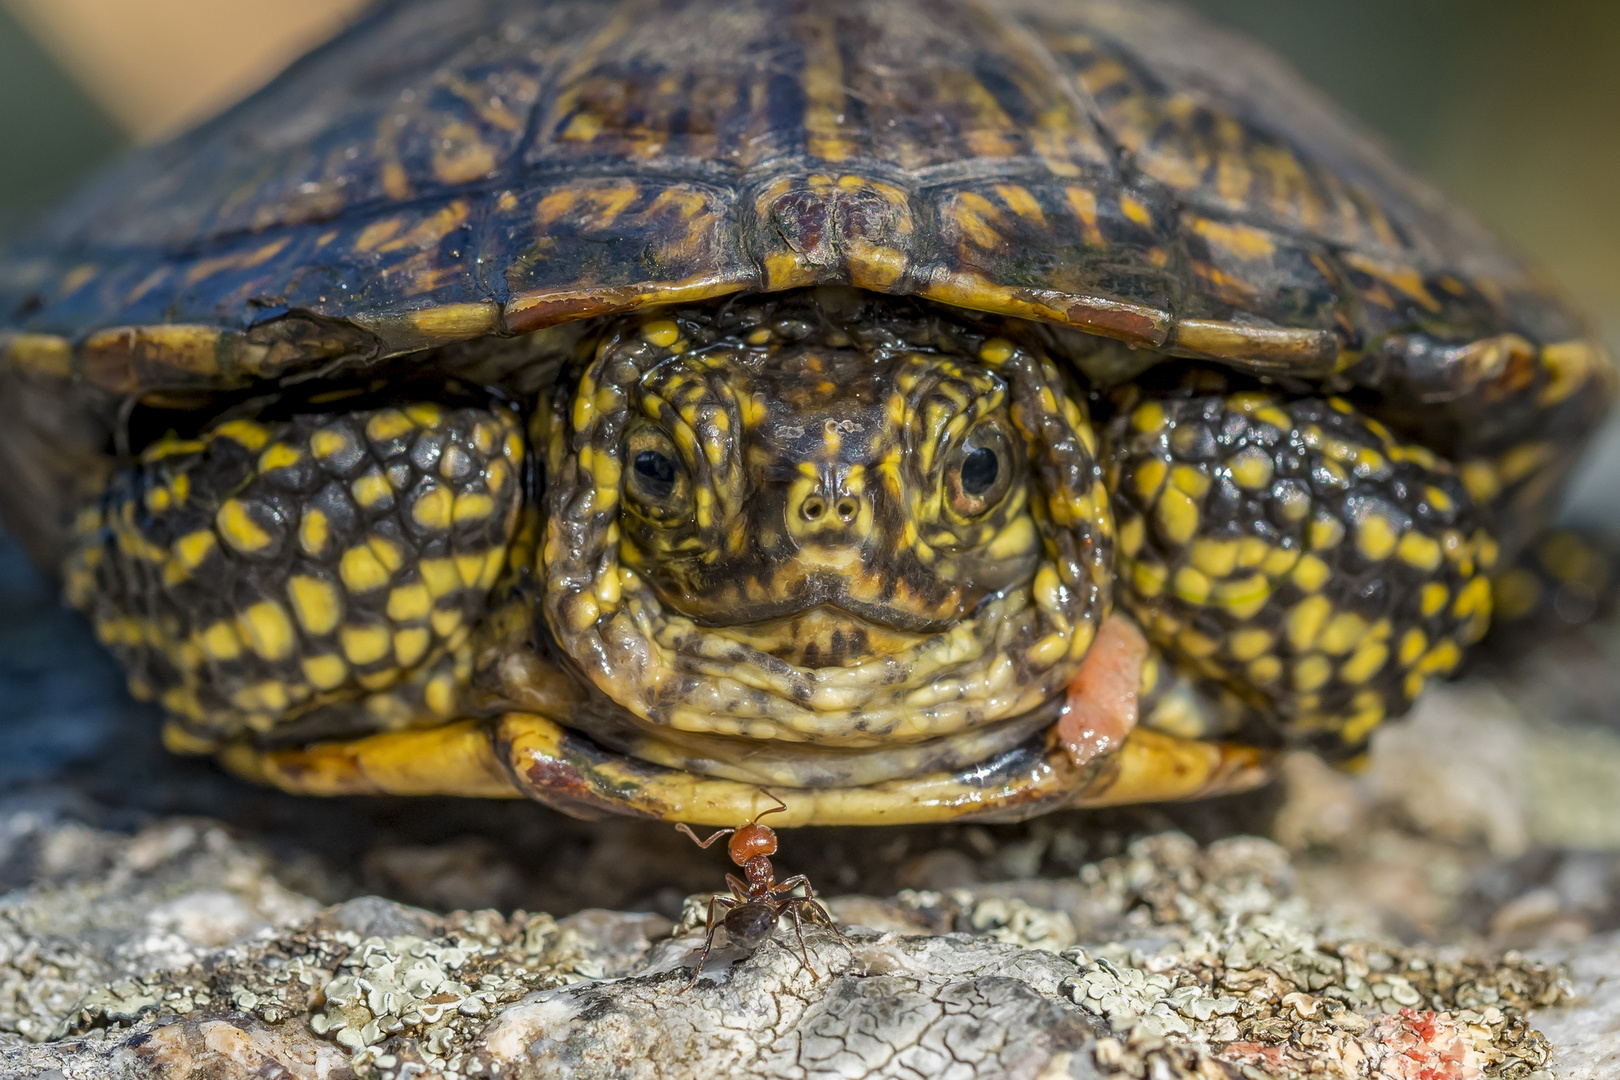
(175, 953)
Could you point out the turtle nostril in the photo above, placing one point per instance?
(813, 509)
(847, 509)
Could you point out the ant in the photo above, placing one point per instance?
(756, 904)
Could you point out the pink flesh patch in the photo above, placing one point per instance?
(1101, 709)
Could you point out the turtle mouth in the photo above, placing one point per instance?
(832, 635)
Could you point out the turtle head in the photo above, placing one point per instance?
(840, 528)
(822, 504)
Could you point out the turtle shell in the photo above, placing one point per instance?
(450, 169)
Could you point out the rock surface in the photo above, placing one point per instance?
(176, 953)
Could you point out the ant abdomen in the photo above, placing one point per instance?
(750, 924)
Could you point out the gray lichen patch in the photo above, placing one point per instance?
(1170, 960)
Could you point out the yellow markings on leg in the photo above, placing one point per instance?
(325, 671)
(365, 644)
(313, 532)
(1178, 516)
(316, 603)
(239, 529)
(362, 569)
(268, 631)
(431, 510)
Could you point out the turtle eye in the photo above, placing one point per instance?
(656, 481)
(655, 473)
(979, 472)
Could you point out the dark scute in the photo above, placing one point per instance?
(750, 924)
(980, 469)
(656, 473)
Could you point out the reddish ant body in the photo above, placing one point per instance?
(755, 904)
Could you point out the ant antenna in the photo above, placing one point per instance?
(779, 808)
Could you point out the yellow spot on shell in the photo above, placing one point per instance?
(239, 529)
(1434, 598)
(315, 603)
(409, 603)
(661, 332)
(268, 631)
(313, 532)
(365, 644)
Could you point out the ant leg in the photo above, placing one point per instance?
(804, 950)
(704, 844)
(818, 913)
(789, 884)
(708, 941)
(739, 888)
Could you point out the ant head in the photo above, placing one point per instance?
(753, 840)
(750, 842)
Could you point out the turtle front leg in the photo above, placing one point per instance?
(1295, 561)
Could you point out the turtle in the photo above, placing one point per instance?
(908, 410)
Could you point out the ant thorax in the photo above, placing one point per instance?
(759, 872)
